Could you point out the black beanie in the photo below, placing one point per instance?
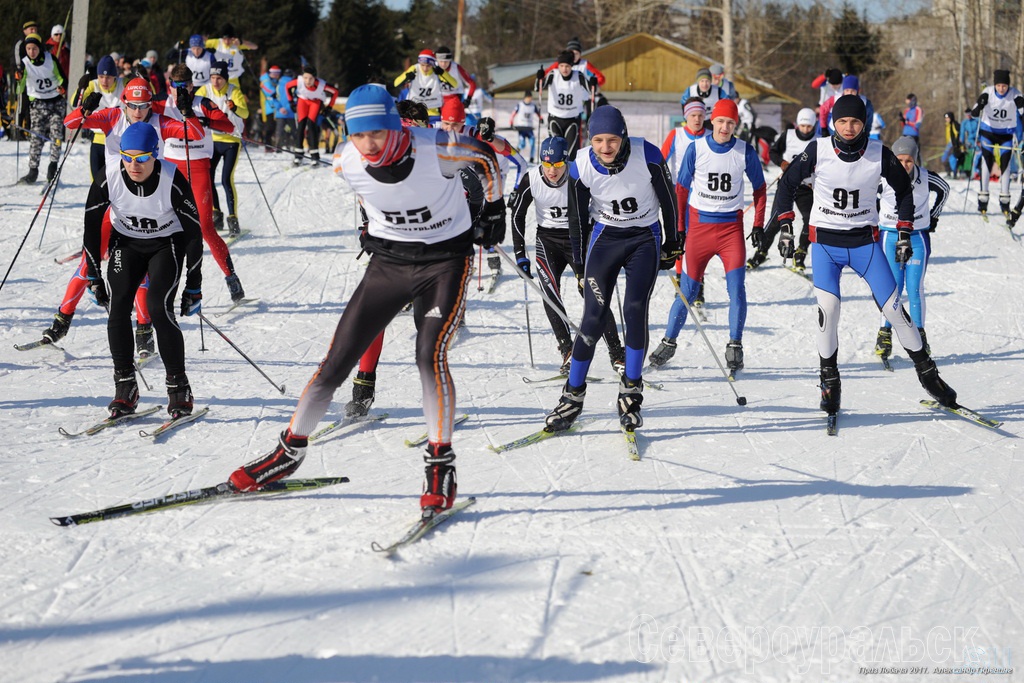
(566, 57)
(850, 105)
(834, 76)
(1001, 76)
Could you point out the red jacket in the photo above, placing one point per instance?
(63, 57)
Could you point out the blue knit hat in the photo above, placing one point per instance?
(851, 83)
(106, 66)
(607, 120)
(554, 149)
(141, 136)
(371, 107)
(196, 40)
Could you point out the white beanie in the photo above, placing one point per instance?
(805, 117)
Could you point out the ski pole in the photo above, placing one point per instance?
(17, 138)
(970, 174)
(42, 201)
(543, 295)
(529, 337)
(216, 329)
(741, 400)
(480, 271)
(202, 337)
(260, 185)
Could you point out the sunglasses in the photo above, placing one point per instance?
(139, 106)
(137, 158)
(552, 164)
(180, 84)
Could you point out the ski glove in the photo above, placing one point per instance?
(191, 301)
(934, 224)
(757, 237)
(670, 251)
(438, 70)
(183, 99)
(524, 265)
(486, 129)
(490, 228)
(903, 249)
(91, 103)
(786, 242)
(98, 291)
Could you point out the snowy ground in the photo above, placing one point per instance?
(746, 545)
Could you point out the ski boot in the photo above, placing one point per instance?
(494, 263)
(617, 355)
(663, 354)
(565, 350)
(698, 300)
(58, 328)
(277, 464)
(297, 161)
(218, 220)
(179, 396)
(235, 287)
(831, 390)
(799, 256)
(51, 171)
(1014, 216)
(233, 228)
(734, 356)
(631, 396)
(924, 341)
(1004, 205)
(29, 178)
(757, 259)
(983, 203)
(883, 344)
(570, 405)
(440, 484)
(315, 158)
(144, 345)
(928, 375)
(362, 394)
(126, 393)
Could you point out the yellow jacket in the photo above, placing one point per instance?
(233, 94)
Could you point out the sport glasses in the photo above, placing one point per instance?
(180, 84)
(137, 158)
(552, 164)
(138, 106)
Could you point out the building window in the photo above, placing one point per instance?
(908, 53)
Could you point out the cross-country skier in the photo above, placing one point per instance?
(43, 80)
(998, 113)
(567, 91)
(546, 188)
(420, 239)
(710, 185)
(226, 146)
(707, 91)
(847, 168)
(156, 227)
(426, 81)
(617, 187)
(308, 96)
(524, 119)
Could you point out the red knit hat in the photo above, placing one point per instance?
(427, 56)
(453, 111)
(727, 108)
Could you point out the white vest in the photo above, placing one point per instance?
(142, 217)
(200, 67)
(108, 100)
(550, 204)
(717, 185)
(844, 193)
(174, 148)
(40, 80)
(314, 93)
(525, 115)
(222, 103)
(425, 207)
(922, 216)
(709, 101)
(460, 89)
(680, 143)
(426, 90)
(566, 97)
(112, 144)
(626, 199)
(233, 56)
(794, 148)
(1000, 113)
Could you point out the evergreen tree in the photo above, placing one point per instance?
(358, 44)
(855, 44)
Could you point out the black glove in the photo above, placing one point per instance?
(757, 237)
(191, 301)
(513, 198)
(934, 224)
(982, 101)
(903, 249)
(592, 82)
(670, 251)
(98, 290)
(183, 99)
(486, 129)
(438, 70)
(490, 228)
(91, 103)
(294, 104)
(524, 265)
(540, 75)
(787, 246)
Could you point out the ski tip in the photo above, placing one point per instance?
(63, 521)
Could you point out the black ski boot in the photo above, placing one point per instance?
(928, 375)
(51, 171)
(277, 464)
(1004, 205)
(235, 288)
(362, 394)
(831, 390)
(315, 158)
(29, 178)
(883, 344)
(565, 350)
(126, 393)
(144, 345)
(233, 228)
(924, 341)
(440, 483)
(494, 263)
(799, 257)
(179, 396)
(631, 397)
(59, 328)
(617, 355)
(569, 407)
(663, 354)
(218, 219)
(734, 356)
(757, 259)
(983, 203)
(698, 300)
